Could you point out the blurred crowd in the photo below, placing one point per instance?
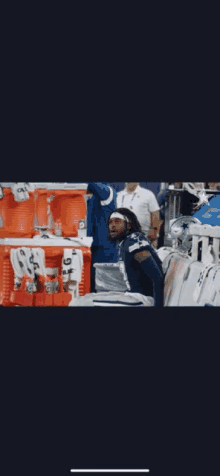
(204, 185)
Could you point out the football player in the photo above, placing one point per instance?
(138, 260)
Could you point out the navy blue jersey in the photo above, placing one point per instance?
(147, 277)
(99, 207)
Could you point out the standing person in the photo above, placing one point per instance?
(214, 185)
(162, 199)
(145, 206)
(99, 206)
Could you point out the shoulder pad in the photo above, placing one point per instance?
(137, 241)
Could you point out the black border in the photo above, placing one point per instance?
(105, 388)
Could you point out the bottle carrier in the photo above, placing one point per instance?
(52, 219)
(48, 290)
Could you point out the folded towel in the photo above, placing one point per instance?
(72, 264)
(200, 283)
(20, 190)
(27, 262)
(209, 256)
(21, 259)
(38, 261)
(113, 299)
(30, 186)
(17, 267)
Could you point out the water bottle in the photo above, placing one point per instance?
(82, 231)
(58, 228)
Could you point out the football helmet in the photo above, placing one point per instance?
(179, 231)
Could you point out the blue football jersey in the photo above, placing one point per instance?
(136, 279)
(99, 207)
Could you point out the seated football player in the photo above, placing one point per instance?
(141, 279)
(138, 260)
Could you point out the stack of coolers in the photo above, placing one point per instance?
(45, 255)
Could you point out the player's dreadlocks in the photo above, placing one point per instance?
(134, 223)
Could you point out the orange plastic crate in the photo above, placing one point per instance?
(66, 208)
(53, 259)
(17, 218)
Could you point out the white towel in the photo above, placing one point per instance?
(22, 265)
(45, 235)
(113, 299)
(215, 299)
(209, 256)
(72, 264)
(212, 286)
(200, 283)
(27, 261)
(20, 191)
(38, 261)
(30, 186)
(18, 269)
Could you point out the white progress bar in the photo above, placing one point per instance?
(109, 470)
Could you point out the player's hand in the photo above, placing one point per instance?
(153, 234)
(155, 244)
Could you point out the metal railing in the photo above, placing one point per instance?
(202, 234)
(173, 210)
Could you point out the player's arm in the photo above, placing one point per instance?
(90, 218)
(149, 265)
(102, 192)
(155, 221)
(155, 225)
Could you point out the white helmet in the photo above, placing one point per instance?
(179, 230)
